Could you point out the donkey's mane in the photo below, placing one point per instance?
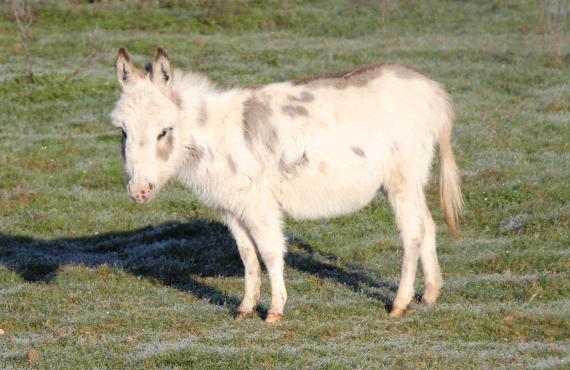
(182, 81)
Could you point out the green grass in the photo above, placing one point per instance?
(89, 279)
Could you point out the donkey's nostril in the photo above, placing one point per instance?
(141, 192)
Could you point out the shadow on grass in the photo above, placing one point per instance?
(174, 254)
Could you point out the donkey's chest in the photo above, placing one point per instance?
(218, 186)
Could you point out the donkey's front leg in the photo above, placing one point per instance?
(248, 255)
(266, 230)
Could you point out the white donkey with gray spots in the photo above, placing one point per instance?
(312, 148)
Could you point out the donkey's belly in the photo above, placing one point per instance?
(327, 191)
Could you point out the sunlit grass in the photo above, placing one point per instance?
(91, 280)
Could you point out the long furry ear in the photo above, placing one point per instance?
(161, 68)
(126, 71)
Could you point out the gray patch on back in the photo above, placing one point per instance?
(257, 128)
(295, 110)
(358, 151)
(359, 77)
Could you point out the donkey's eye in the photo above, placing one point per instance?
(163, 133)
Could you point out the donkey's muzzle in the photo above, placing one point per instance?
(141, 191)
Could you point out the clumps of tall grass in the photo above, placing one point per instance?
(553, 22)
(22, 13)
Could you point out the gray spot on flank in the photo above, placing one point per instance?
(292, 167)
(305, 97)
(358, 151)
(295, 110)
(257, 128)
(394, 148)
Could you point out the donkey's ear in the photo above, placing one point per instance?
(126, 70)
(161, 68)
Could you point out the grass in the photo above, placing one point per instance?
(91, 280)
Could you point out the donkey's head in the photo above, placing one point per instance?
(147, 113)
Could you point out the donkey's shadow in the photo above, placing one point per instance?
(174, 253)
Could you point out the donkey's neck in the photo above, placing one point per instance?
(210, 115)
(208, 112)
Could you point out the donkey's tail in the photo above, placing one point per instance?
(449, 180)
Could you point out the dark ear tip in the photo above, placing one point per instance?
(123, 53)
(160, 52)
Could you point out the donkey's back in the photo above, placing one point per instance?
(343, 136)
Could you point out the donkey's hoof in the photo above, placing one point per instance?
(240, 315)
(428, 302)
(397, 312)
(274, 317)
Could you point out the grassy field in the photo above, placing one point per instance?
(89, 279)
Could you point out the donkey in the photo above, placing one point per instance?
(312, 148)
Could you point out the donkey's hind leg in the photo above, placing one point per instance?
(430, 265)
(408, 202)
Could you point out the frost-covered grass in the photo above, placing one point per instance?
(91, 280)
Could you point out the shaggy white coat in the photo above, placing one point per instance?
(313, 149)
